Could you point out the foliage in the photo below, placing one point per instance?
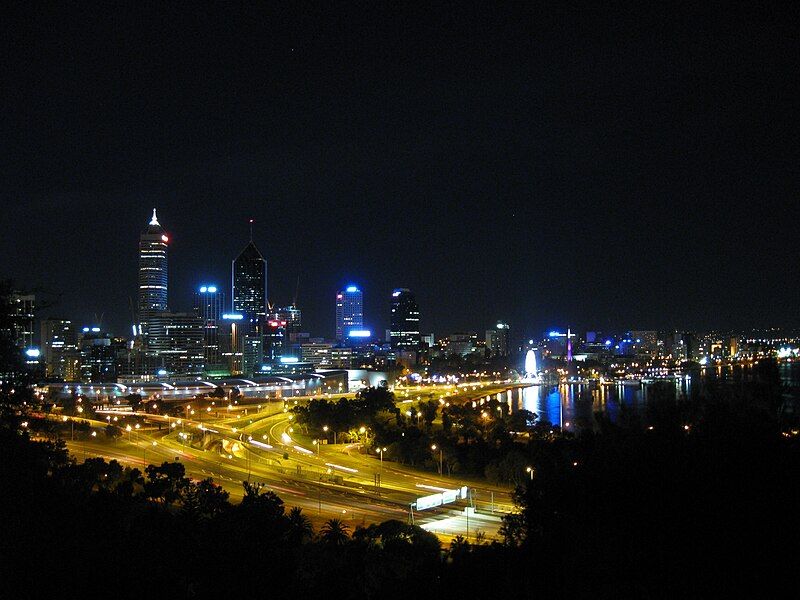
(345, 415)
(700, 505)
(334, 533)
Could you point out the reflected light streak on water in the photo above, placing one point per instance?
(576, 403)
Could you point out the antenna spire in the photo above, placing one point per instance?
(154, 220)
(251, 230)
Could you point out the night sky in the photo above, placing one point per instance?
(584, 167)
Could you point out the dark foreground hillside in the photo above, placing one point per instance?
(686, 501)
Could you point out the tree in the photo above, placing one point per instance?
(165, 482)
(134, 401)
(335, 533)
(300, 528)
(217, 392)
(459, 546)
(428, 410)
(113, 432)
(266, 502)
(513, 529)
(204, 500)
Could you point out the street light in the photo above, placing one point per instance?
(316, 443)
(325, 429)
(530, 470)
(381, 451)
(434, 447)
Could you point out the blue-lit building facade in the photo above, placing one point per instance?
(349, 311)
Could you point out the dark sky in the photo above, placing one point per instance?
(624, 167)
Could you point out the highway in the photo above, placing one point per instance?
(250, 442)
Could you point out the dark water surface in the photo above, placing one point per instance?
(572, 406)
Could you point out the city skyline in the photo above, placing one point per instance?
(378, 318)
(399, 300)
(489, 165)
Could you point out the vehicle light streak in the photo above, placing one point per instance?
(432, 487)
(261, 444)
(335, 466)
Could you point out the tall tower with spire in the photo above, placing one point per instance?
(152, 275)
(249, 282)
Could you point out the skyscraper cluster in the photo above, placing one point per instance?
(228, 331)
(250, 335)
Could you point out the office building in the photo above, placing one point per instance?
(208, 305)
(177, 343)
(497, 341)
(249, 284)
(460, 343)
(22, 313)
(290, 315)
(60, 349)
(318, 353)
(646, 341)
(152, 298)
(231, 340)
(349, 311)
(404, 318)
(252, 353)
(98, 356)
(275, 341)
(341, 357)
(293, 317)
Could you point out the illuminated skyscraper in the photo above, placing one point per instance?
(404, 317)
(292, 316)
(249, 284)
(152, 275)
(497, 339)
(349, 311)
(60, 345)
(208, 305)
(177, 343)
(97, 356)
(23, 310)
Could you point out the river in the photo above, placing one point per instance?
(572, 406)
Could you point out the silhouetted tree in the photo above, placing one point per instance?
(300, 528)
(166, 482)
(134, 401)
(203, 500)
(334, 532)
